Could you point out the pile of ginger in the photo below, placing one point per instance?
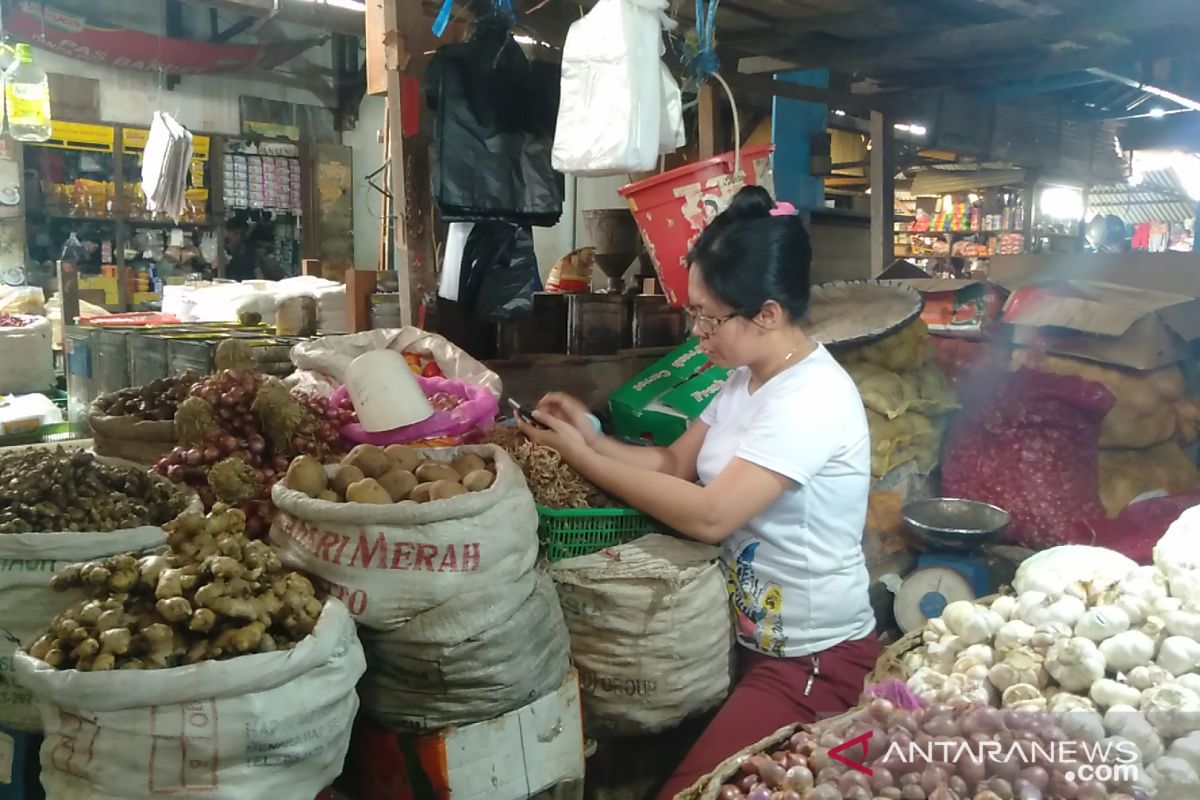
(213, 595)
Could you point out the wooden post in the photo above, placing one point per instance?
(311, 266)
(68, 290)
(412, 204)
(706, 114)
(883, 192)
(360, 285)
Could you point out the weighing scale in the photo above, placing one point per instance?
(951, 570)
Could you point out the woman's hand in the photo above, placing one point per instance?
(566, 408)
(557, 435)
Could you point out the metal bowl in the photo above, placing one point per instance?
(951, 524)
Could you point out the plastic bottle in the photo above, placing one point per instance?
(27, 96)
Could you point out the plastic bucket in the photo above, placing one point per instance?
(672, 209)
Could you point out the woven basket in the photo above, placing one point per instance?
(891, 661)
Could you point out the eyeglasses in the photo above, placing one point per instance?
(704, 325)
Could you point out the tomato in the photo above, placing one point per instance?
(432, 370)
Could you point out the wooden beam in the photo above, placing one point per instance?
(706, 115)
(376, 27)
(883, 192)
(412, 202)
(972, 40)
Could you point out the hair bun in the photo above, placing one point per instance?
(751, 202)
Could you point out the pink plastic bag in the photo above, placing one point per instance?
(476, 412)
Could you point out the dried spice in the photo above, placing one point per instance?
(553, 483)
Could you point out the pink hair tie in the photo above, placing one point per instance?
(783, 209)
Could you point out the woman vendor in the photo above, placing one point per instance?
(776, 471)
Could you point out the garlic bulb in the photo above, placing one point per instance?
(1172, 709)
(1075, 663)
(934, 630)
(1179, 654)
(971, 622)
(1049, 633)
(1138, 730)
(1020, 665)
(1107, 693)
(1187, 748)
(1183, 623)
(1065, 702)
(1014, 633)
(1102, 622)
(1165, 605)
(1145, 676)
(1022, 694)
(1135, 607)
(1172, 776)
(980, 653)
(1083, 726)
(1127, 650)
(1050, 608)
(1190, 681)
(1155, 627)
(1148, 583)
(1005, 606)
(1117, 717)
(943, 653)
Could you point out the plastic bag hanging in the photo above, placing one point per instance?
(614, 118)
(165, 164)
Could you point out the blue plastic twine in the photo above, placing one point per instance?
(698, 51)
(502, 8)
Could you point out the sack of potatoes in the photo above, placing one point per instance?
(390, 475)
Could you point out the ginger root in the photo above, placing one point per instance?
(213, 595)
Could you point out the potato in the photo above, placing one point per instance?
(368, 491)
(405, 457)
(398, 482)
(344, 476)
(428, 473)
(329, 496)
(370, 459)
(444, 490)
(305, 474)
(421, 493)
(478, 480)
(469, 463)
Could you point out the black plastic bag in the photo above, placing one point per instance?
(494, 118)
(499, 272)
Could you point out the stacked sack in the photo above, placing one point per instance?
(650, 633)
(457, 625)
(906, 395)
(1142, 437)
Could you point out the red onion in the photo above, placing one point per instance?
(881, 778)
(828, 775)
(856, 793)
(1038, 776)
(853, 778)
(780, 757)
(1024, 790)
(973, 770)
(819, 759)
(1002, 788)
(747, 782)
(880, 709)
(824, 792)
(729, 792)
(772, 773)
(1092, 790)
(958, 785)
(941, 726)
(912, 792)
(255, 527)
(943, 793)
(175, 473)
(796, 760)
(910, 779)
(211, 455)
(759, 793)
(799, 778)
(788, 794)
(888, 793)
(933, 777)
(1063, 787)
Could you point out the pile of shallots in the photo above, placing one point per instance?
(1029, 759)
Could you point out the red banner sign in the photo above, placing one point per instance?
(88, 38)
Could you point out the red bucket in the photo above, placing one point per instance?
(672, 209)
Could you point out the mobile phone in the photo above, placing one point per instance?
(523, 415)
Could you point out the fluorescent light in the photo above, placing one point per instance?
(349, 5)
(1062, 202)
(915, 130)
(1157, 112)
(837, 112)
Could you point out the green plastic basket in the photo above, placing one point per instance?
(571, 532)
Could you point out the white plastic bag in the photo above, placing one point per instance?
(614, 117)
(651, 633)
(26, 358)
(27, 562)
(438, 670)
(391, 563)
(321, 363)
(269, 725)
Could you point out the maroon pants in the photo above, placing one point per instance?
(771, 694)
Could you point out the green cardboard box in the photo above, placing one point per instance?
(657, 405)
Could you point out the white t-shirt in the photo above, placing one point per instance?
(797, 576)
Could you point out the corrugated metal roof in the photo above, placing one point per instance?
(1159, 197)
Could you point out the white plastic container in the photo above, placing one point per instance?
(385, 392)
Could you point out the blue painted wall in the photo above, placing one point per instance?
(794, 123)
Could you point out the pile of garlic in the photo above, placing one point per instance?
(1089, 634)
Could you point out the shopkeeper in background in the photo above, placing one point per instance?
(776, 471)
(249, 250)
